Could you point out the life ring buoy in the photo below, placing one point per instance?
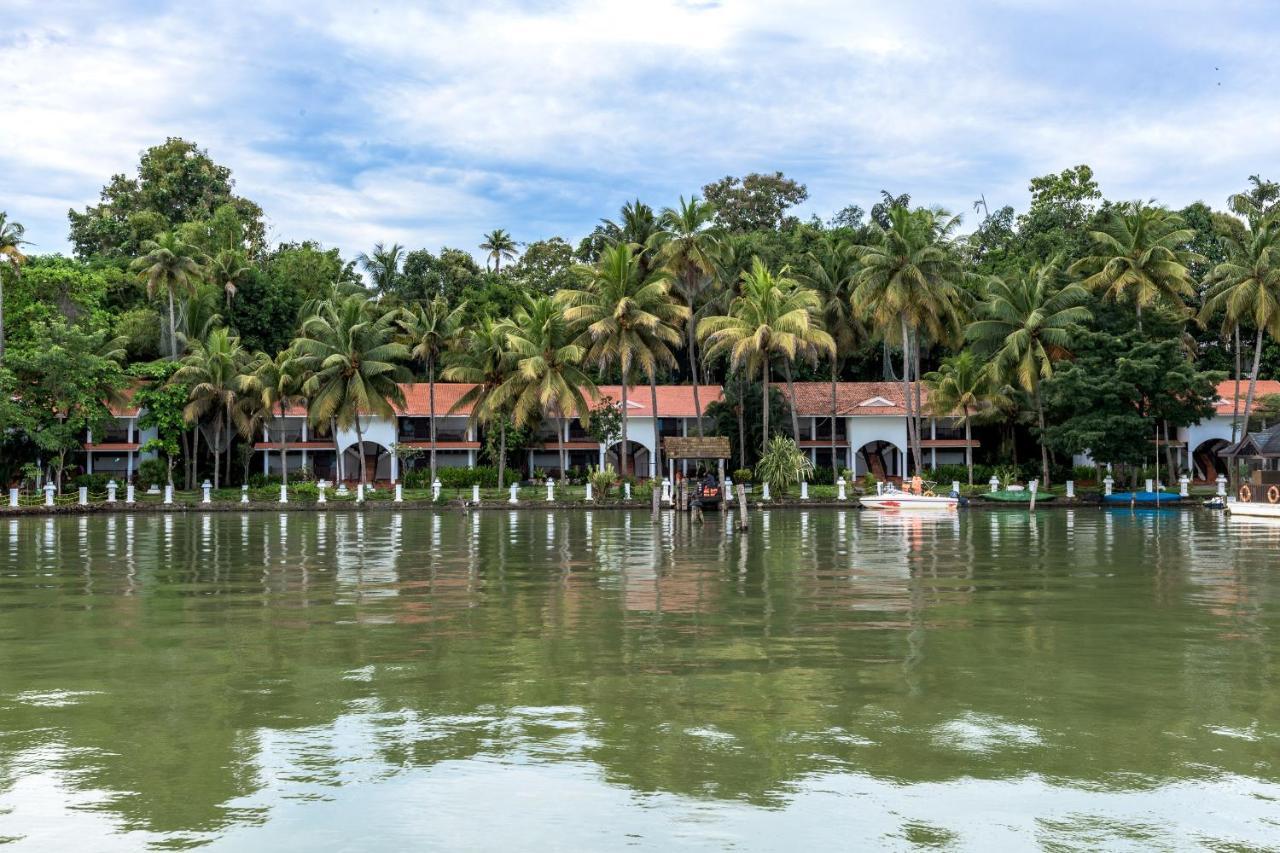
(1273, 494)
(1245, 493)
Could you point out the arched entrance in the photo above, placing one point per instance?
(377, 461)
(880, 458)
(637, 458)
(1208, 461)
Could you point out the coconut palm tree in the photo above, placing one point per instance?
(382, 265)
(831, 271)
(168, 264)
(1025, 325)
(428, 330)
(276, 383)
(546, 373)
(351, 348)
(484, 359)
(226, 270)
(772, 318)
(214, 372)
(1138, 254)
(909, 287)
(11, 256)
(628, 319)
(687, 245)
(966, 385)
(1246, 288)
(498, 247)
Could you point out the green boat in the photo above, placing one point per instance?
(1012, 497)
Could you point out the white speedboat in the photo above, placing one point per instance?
(1253, 509)
(893, 498)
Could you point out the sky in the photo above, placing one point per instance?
(429, 124)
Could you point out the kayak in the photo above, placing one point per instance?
(1015, 497)
(1141, 498)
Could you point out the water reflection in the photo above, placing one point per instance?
(268, 680)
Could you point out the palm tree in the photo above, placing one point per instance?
(687, 245)
(484, 360)
(546, 373)
(966, 385)
(832, 270)
(226, 270)
(429, 329)
(1026, 324)
(213, 369)
(628, 320)
(277, 383)
(499, 247)
(11, 241)
(1246, 288)
(168, 264)
(909, 287)
(772, 318)
(356, 361)
(1139, 254)
(382, 265)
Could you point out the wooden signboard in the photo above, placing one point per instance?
(711, 447)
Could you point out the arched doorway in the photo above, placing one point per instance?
(1208, 461)
(883, 459)
(637, 458)
(377, 461)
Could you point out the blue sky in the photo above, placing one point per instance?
(430, 123)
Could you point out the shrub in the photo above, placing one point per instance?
(823, 477)
(602, 480)
(304, 491)
(94, 482)
(783, 464)
(259, 480)
(947, 473)
(869, 482)
(742, 475)
(152, 472)
(484, 476)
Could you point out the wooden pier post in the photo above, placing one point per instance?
(743, 520)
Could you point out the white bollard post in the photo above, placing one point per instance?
(244, 493)
(111, 491)
(666, 490)
(13, 497)
(168, 495)
(84, 495)
(475, 494)
(955, 487)
(205, 487)
(551, 489)
(435, 490)
(284, 494)
(840, 495)
(764, 495)
(1107, 483)
(514, 491)
(626, 489)
(1183, 482)
(590, 493)
(994, 483)
(1150, 486)
(48, 494)
(804, 490)
(1071, 488)
(128, 493)
(321, 486)
(399, 498)
(728, 491)
(1222, 486)
(360, 493)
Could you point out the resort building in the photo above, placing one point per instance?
(1201, 447)
(117, 450)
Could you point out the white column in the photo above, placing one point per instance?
(1222, 486)
(626, 489)
(321, 486)
(205, 487)
(129, 430)
(111, 491)
(244, 493)
(765, 494)
(128, 493)
(933, 458)
(84, 495)
(514, 489)
(1182, 486)
(48, 494)
(399, 493)
(551, 489)
(13, 497)
(435, 489)
(360, 493)
(475, 494)
(840, 495)
(266, 462)
(168, 494)
(284, 494)
(88, 466)
(804, 490)
(128, 464)
(590, 494)
(1071, 488)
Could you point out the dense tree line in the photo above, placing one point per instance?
(1081, 325)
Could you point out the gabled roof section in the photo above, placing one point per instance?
(856, 399)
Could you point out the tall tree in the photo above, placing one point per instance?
(772, 318)
(356, 362)
(11, 258)
(226, 270)
(547, 375)
(687, 245)
(628, 319)
(963, 384)
(756, 202)
(214, 373)
(429, 329)
(499, 247)
(382, 265)
(1026, 325)
(277, 384)
(485, 361)
(168, 265)
(909, 287)
(1139, 254)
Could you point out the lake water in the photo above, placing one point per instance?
(588, 681)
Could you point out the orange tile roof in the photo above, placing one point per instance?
(859, 399)
(1227, 389)
(674, 401)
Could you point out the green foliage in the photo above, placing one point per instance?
(745, 397)
(152, 472)
(605, 425)
(546, 266)
(602, 479)
(783, 464)
(52, 287)
(162, 401)
(486, 477)
(756, 202)
(95, 483)
(743, 475)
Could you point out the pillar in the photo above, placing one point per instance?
(13, 497)
(128, 493)
(111, 491)
(399, 498)
(840, 495)
(1222, 486)
(88, 462)
(1071, 488)
(205, 487)
(284, 494)
(83, 497)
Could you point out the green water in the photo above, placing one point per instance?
(523, 681)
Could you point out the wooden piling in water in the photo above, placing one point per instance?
(656, 495)
(743, 520)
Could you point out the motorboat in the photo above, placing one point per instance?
(891, 497)
(1145, 499)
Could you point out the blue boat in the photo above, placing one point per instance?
(1142, 498)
